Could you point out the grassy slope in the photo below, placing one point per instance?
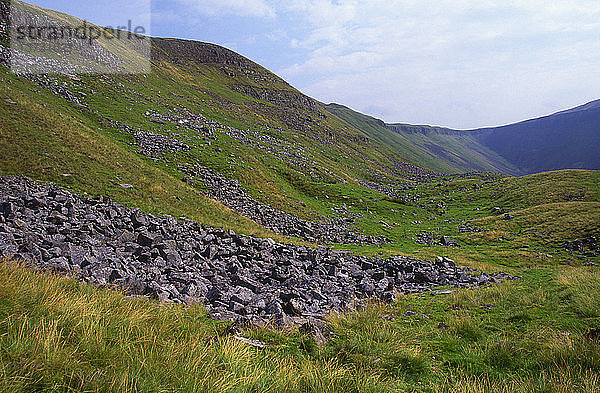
(50, 144)
(446, 154)
(519, 336)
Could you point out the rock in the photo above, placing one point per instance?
(231, 194)
(213, 294)
(236, 277)
(146, 239)
(7, 208)
(443, 292)
(415, 314)
(173, 258)
(252, 343)
(593, 335)
(447, 241)
(242, 295)
(138, 219)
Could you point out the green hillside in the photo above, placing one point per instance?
(133, 138)
(444, 153)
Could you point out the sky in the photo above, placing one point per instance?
(455, 63)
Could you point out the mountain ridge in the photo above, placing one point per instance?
(568, 136)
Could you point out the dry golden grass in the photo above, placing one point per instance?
(563, 381)
(58, 335)
(583, 289)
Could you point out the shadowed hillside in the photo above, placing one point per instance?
(564, 140)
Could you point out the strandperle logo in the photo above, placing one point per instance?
(85, 32)
(43, 41)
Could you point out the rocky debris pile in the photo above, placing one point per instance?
(25, 64)
(230, 193)
(236, 277)
(281, 98)
(58, 87)
(57, 54)
(414, 173)
(397, 192)
(156, 145)
(587, 246)
(469, 228)
(150, 144)
(201, 127)
(408, 194)
(431, 239)
(203, 130)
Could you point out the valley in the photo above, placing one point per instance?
(207, 227)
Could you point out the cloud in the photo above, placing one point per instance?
(245, 8)
(458, 62)
(461, 63)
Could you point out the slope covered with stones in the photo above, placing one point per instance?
(237, 277)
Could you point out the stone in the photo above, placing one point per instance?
(235, 276)
(146, 239)
(242, 295)
(311, 328)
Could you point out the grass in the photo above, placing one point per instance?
(60, 335)
(579, 289)
(526, 335)
(66, 148)
(551, 187)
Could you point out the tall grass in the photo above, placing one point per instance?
(582, 287)
(562, 381)
(59, 335)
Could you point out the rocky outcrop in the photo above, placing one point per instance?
(179, 51)
(57, 47)
(235, 276)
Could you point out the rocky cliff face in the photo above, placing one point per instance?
(429, 130)
(178, 51)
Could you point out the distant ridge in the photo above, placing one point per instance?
(567, 139)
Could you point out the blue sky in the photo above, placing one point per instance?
(456, 63)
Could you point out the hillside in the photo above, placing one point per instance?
(205, 111)
(428, 146)
(564, 140)
(206, 227)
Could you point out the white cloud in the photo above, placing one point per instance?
(246, 8)
(455, 62)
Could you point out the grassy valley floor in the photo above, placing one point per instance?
(526, 335)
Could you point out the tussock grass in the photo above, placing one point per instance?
(563, 381)
(550, 187)
(365, 339)
(582, 288)
(59, 335)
